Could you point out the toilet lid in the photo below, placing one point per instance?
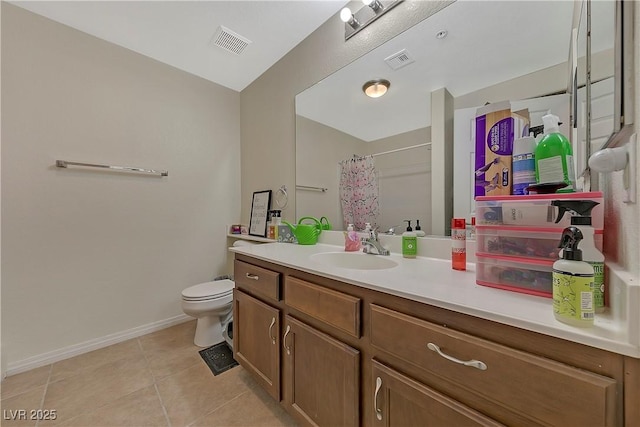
(208, 290)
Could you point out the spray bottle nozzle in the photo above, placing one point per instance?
(571, 236)
(580, 207)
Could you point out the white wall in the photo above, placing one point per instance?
(87, 253)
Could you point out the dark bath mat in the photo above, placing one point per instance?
(219, 358)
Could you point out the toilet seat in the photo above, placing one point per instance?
(208, 290)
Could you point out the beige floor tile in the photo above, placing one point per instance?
(251, 409)
(171, 350)
(141, 408)
(17, 384)
(176, 337)
(85, 392)
(194, 392)
(16, 410)
(94, 359)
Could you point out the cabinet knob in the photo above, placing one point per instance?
(472, 363)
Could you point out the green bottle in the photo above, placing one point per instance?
(554, 156)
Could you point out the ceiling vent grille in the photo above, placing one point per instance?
(399, 59)
(228, 40)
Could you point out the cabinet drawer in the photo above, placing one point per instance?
(339, 310)
(542, 390)
(257, 280)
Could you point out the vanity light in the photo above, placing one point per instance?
(376, 88)
(372, 10)
(374, 4)
(349, 18)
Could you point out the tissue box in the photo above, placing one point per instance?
(496, 129)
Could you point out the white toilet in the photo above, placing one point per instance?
(211, 304)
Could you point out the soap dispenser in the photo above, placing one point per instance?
(554, 157)
(419, 231)
(409, 242)
(351, 240)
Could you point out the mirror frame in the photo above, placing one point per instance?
(623, 75)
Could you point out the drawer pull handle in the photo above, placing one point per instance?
(375, 399)
(284, 339)
(273, 322)
(252, 276)
(473, 363)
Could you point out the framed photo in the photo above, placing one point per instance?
(260, 206)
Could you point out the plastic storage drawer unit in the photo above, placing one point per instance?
(515, 274)
(529, 242)
(534, 210)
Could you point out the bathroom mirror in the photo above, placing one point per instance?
(453, 49)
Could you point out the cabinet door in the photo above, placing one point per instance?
(256, 341)
(401, 401)
(322, 376)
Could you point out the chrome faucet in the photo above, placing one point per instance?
(372, 243)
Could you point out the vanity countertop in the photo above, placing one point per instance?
(433, 281)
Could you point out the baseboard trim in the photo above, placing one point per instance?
(94, 344)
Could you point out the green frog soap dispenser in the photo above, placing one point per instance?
(590, 254)
(554, 157)
(572, 283)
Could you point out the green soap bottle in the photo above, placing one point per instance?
(554, 156)
(409, 242)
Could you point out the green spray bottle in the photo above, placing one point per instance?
(590, 254)
(572, 283)
(554, 156)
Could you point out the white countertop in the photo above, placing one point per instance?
(434, 282)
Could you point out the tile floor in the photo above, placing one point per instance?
(156, 380)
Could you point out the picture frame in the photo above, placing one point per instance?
(260, 206)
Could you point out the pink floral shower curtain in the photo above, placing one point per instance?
(359, 192)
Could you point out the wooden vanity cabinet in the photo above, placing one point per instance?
(352, 356)
(256, 341)
(321, 377)
(402, 401)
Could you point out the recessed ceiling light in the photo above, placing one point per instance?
(376, 88)
(441, 34)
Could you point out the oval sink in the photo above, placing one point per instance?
(354, 260)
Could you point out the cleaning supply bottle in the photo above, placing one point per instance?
(458, 244)
(590, 254)
(572, 283)
(554, 157)
(523, 164)
(419, 231)
(351, 240)
(409, 242)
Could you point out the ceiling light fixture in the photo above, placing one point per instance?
(372, 10)
(376, 88)
(441, 34)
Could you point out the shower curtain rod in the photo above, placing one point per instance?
(402, 149)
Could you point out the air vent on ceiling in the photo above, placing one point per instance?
(228, 40)
(399, 59)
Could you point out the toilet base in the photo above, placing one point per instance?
(208, 331)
